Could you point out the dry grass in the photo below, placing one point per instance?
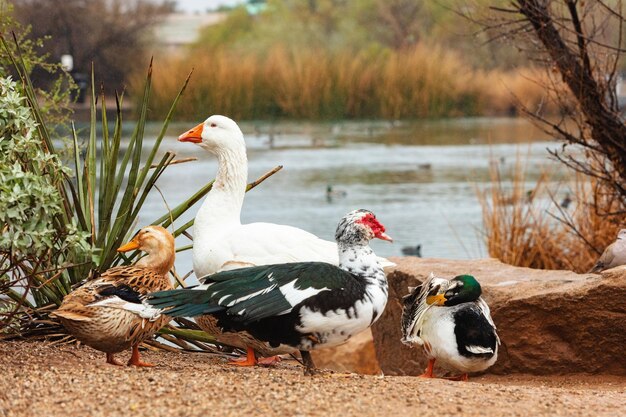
(425, 81)
(528, 227)
(505, 92)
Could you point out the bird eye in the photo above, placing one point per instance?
(213, 125)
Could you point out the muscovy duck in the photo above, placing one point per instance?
(107, 313)
(453, 324)
(296, 306)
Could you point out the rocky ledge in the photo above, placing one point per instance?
(549, 322)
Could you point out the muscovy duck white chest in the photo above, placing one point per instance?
(336, 316)
(304, 305)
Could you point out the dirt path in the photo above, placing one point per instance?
(37, 379)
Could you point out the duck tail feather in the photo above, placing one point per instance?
(183, 302)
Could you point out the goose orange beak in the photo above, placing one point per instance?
(133, 244)
(192, 135)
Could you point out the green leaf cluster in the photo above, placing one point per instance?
(60, 226)
(30, 201)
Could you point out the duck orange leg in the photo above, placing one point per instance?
(249, 361)
(112, 361)
(134, 358)
(428, 372)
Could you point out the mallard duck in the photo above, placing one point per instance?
(614, 254)
(451, 321)
(221, 242)
(107, 313)
(297, 306)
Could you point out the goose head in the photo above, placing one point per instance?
(621, 234)
(359, 227)
(158, 244)
(217, 134)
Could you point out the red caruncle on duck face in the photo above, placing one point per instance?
(377, 228)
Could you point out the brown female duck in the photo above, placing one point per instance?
(108, 314)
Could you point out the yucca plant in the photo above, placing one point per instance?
(88, 215)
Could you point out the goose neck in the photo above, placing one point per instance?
(222, 207)
(232, 172)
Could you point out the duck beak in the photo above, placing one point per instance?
(193, 135)
(133, 244)
(383, 236)
(437, 300)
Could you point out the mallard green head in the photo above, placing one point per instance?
(462, 289)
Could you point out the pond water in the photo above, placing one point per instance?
(420, 178)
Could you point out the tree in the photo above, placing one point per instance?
(55, 94)
(111, 34)
(581, 42)
(395, 23)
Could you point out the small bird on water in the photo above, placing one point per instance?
(614, 255)
(412, 251)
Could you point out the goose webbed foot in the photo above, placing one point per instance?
(269, 361)
(463, 377)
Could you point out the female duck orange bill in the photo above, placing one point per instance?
(108, 314)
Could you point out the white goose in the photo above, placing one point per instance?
(221, 242)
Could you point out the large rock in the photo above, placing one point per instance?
(356, 355)
(549, 322)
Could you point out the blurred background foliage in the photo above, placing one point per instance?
(111, 35)
(314, 59)
(336, 59)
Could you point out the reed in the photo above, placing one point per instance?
(423, 81)
(526, 226)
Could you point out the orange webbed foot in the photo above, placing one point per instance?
(136, 361)
(250, 359)
(428, 372)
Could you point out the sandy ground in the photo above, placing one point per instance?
(39, 379)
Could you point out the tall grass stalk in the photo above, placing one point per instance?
(423, 81)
